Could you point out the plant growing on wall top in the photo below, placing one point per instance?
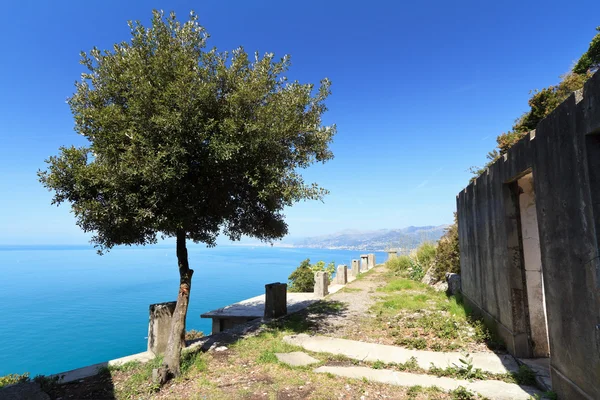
(187, 143)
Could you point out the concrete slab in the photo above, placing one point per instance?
(255, 307)
(23, 391)
(489, 362)
(296, 359)
(491, 389)
(541, 367)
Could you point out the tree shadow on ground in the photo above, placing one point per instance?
(97, 387)
(311, 319)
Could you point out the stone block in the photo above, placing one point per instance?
(159, 326)
(364, 262)
(275, 300)
(355, 268)
(321, 284)
(453, 283)
(371, 260)
(341, 277)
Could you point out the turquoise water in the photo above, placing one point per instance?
(65, 307)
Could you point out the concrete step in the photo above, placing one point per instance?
(495, 390)
(488, 362)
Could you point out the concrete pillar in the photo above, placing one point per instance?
(275, 300)
(371, 260)
(392, 253)
(159, 326)
(341, 277)
(364, 262)
(321, 284)
(355, 268)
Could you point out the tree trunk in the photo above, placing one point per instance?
(172, 357)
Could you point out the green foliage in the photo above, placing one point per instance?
(426, 254)
(414, 266)
(466, 370)
(399, 265)
(302, 279)
(139, 380)
(590, 60)
(462, 393)
(193, 361)
(11, 379)
(183, 139)
(193, 334)
(447, 258)
(525, 376)
(321, 267)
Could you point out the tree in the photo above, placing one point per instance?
(187, 143)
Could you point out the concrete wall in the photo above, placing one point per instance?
(563, 157)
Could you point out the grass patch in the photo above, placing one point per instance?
(414, 315)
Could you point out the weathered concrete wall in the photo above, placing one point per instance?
(563, 157)
(159, 326)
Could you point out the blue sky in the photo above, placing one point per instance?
(420, 92)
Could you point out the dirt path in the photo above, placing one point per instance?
(354, 301)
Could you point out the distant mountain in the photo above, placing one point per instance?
(379, 240)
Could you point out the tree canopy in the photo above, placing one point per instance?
(182, 138)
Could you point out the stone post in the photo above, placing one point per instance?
(454, 284)
(341, 277)
(159, 326)
(321, 284)
(355, 268)
(392, 253)
(371, 260)
(275, 300)
(364, 262)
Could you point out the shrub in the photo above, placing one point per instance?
(417, 272)
(447, 258)
(303, 277)
(399, 265)
(426, 254)
(13, 378)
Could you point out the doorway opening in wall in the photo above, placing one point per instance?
(533, 273)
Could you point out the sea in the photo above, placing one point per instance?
(65, 307)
